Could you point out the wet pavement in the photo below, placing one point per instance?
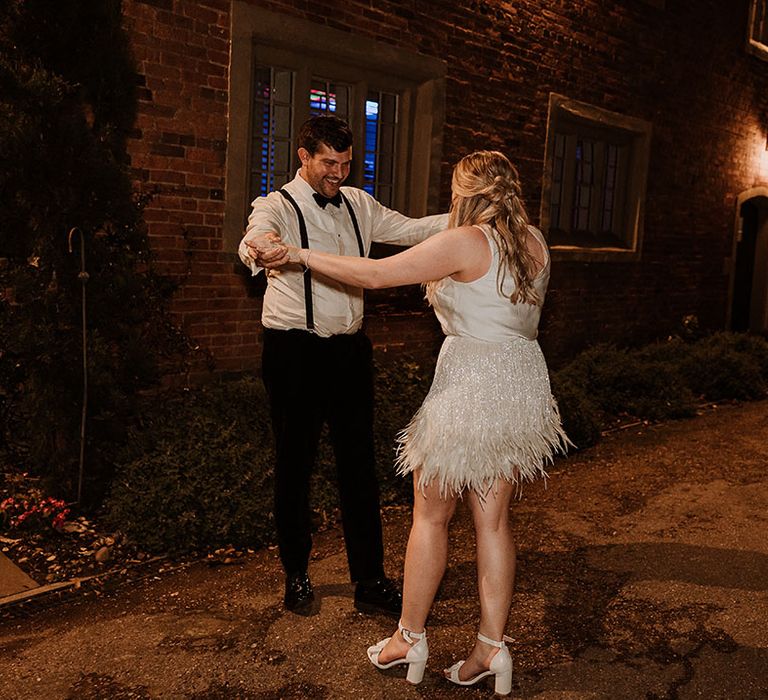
(642, 573)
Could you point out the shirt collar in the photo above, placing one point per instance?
(303, 188)
(305, 191)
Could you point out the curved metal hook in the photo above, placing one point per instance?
(83, 276)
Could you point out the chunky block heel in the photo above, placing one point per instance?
(416, 658)
(503, 683)
(416, 671)
(501, 668)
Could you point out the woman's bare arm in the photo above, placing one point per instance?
(459, 251)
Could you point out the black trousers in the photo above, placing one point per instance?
(310, 381)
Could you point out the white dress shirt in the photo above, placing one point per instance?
(337, 307)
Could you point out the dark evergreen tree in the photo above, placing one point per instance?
(67, 103)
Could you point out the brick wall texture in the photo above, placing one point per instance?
(682, 67)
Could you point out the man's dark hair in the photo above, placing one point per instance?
(331, 131)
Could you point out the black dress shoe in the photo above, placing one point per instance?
(298, 593)
(379, 596)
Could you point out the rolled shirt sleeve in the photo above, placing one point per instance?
(390, 226)
(267, 215)
(338, 308)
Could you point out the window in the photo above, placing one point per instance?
(594, 180)
(272, 157)
(757, 42)
(272, 135)
(589, 177)
(284, 70)
(380, 140)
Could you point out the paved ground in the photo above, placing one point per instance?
(643, 573)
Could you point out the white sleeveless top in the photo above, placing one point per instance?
(476, 309)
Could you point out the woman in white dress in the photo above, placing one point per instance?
(489, 422)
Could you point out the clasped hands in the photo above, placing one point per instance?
(268, 251)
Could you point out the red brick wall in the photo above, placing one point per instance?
(683, 68)
(178, 155)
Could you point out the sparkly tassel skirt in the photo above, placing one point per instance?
(489, 415)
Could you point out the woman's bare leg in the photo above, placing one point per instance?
(426, 557)
(496, 556)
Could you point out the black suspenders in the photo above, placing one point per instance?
(307, 273)
(354, 224)
(305, 244)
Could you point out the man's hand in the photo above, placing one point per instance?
(267, 250)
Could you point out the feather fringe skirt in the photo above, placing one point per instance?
(489, 415)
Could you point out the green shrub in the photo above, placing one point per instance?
(604, 382)
(580, 415)
(199, 473)
(727, 366)
(756, 347)
(627, 382)
(401, 384)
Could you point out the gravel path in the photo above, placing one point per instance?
(642, 573)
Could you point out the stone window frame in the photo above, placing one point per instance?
(758, 12)
(638, 131)
(262, 36)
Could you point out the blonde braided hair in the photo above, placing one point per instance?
(486, 190)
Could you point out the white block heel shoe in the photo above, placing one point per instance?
(501, 668)
(416, 658)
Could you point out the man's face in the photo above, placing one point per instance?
(326, 170)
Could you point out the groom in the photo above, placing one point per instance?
(317, 362)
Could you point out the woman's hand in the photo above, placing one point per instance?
(294, 254)
(267, 250)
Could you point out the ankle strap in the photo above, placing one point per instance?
(493, 642)
(409, 636)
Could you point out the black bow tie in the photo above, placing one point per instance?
(322, 201)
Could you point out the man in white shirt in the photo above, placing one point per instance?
(316, 361)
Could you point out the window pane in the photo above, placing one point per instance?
(384, 194)
(386, 166)
(584, 180)
(327, 97)
(388, 108)
(282, 156)
(589, 185)
(318, 98)
(609, 186)
(262, 83)
(557, 182)
(280, 180)
(271, 141)
(281, 121)
(342, 93)
(283, 87)
(380, 135)
(371, 142)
